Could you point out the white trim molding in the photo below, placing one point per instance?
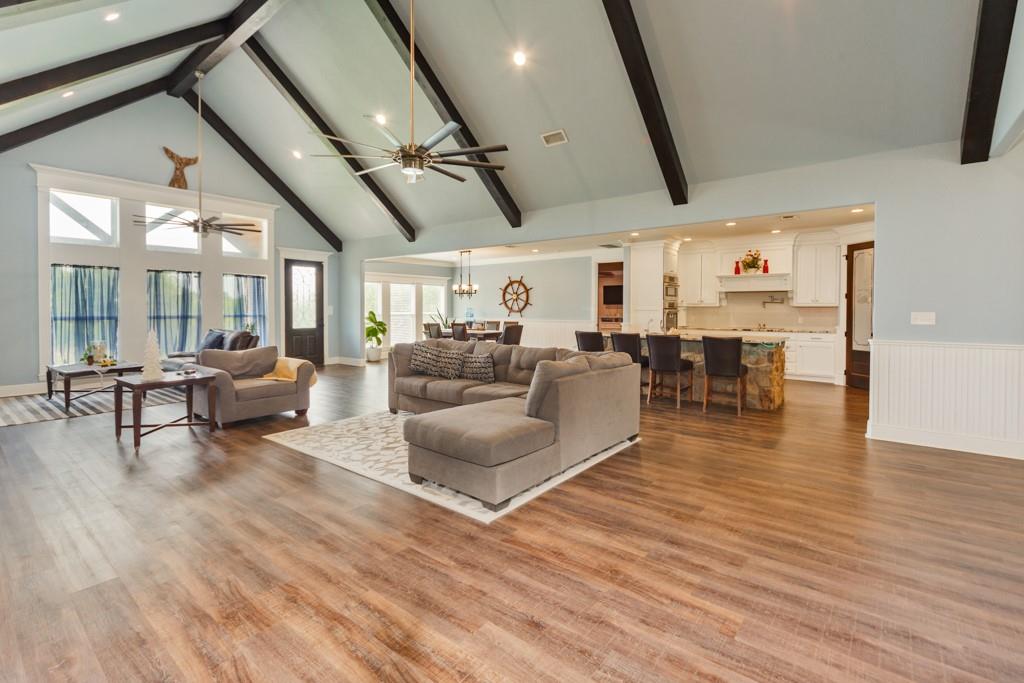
(342, 360)
(960, 396)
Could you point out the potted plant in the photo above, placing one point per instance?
(751, 261)
(375, 331)
(441, 320)
(88, 357)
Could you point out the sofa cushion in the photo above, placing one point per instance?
(432, 360)
(451, 345)
(524, 362)
(421, 361)
(250, 363)
(255, 388)
(449, 390)
(478, 367)
(414, 385)
(485, 434)
(214, 339)
(236, 340)
(492, 392)
(547, 372)
(608, 360)
(502, 355)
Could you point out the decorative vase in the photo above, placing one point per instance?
(765, 268)
(89, 360)
(747, 270)
(736, 269)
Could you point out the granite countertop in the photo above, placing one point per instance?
(770, 330)
(748, 337)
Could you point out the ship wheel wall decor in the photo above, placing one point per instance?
(515, 296)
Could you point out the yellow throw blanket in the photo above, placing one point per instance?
(287, 370)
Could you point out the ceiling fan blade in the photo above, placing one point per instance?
(350, 156)
(486, 149)
(453, 176)
(375, 168)
(386, 132)
(353, 142)
(442, 132)
(229, 231)
(237, 227)
(473, 164)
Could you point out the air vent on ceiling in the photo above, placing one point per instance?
(555, 137)
(612, 245)
(789, 217)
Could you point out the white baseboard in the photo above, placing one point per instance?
(948, 441)
(809, 378)
(22, 389)
(343, 360)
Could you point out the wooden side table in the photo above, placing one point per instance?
(77, 370)
(139, 386)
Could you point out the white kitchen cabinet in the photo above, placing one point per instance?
(698, 279)
(811, 357)
(816, 273)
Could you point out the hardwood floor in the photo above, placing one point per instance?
(773, 547)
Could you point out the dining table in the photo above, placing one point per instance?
(486, 335)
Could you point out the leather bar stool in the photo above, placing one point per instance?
(589, 341)
(723, 359)
(665, 353)
(627, 342)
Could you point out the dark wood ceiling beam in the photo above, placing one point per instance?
(431, 85)
(248, 18)
(91, 67)
(78, 115)
(645, 89)
(265, 172)
(991, 46)
(291, 92)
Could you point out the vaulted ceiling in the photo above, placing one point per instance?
(747, 86)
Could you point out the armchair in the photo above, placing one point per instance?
(244, 391)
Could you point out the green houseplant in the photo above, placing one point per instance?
(375, 331)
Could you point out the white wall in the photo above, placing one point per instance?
(1009, 125)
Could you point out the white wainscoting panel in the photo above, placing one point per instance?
(539, 332)
(967, 397)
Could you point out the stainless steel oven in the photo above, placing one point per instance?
(671, 319)
(671, 291)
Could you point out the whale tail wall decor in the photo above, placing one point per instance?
(180, 164)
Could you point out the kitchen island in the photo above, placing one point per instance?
(764, 355)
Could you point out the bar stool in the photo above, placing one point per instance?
(723, 359)
(459, 332)
(589, 341)
(625, 342)
(665, 353)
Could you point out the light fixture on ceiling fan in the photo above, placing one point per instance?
(199, 225)
(414, 159)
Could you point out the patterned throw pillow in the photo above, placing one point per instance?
(447, 364)
(478, 367)
(422, 360)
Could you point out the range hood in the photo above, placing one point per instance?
(755, 282)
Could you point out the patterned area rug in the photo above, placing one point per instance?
(19, 410)
(372, 445)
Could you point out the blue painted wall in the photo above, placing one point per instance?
(125, 144)
(562, 289)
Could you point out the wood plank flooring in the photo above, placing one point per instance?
(773, 547)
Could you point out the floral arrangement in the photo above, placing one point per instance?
(752, 261)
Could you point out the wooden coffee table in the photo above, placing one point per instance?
(78, 370)
(139, 386)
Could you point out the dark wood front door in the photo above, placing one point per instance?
(860, 298)
(304, 310)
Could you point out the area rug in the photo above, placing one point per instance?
(372, 445)
(19, 410)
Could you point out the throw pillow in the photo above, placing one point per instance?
(447, 364)
(422, 360)
(212, 340)
(480, 368)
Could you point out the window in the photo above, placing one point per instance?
(434, 302)
(83, 310)
(247, 244)
(372, 299)
(175, 309)
(303, 293)
(245, 304)
(402, 323)
(83, 219)
(162, 236)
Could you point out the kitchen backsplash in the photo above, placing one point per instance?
(744, 309)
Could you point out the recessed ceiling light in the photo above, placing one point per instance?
(730, 224)
(519, 58)
(381, 119)
(687, 239)
(634, 234)
(297, 154)
(112, 16)
(535, 250)
(776, 231)
(856, 210)
(69, 93)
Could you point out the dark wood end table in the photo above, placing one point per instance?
(78, 370)
(139, 386)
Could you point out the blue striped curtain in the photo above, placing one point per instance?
(83, 310)
(245, 304)
(175, 309)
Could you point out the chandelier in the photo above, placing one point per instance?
(465, 287)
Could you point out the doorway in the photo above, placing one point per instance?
(860, 294)
(304, 310)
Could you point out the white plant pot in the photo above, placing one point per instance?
(373, 354)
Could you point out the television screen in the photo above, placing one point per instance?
(612, 295)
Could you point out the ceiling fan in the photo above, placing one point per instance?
(412, 158)
(199, 225)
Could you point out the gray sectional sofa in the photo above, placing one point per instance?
(547, 410)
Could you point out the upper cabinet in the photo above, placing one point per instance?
(816, 275)
(698, 279)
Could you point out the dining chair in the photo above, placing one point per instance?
(459, 332)
(432, 330)
(723, 359)
(492, 325)
(512, 334)
(665, 353)
(589, 341)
